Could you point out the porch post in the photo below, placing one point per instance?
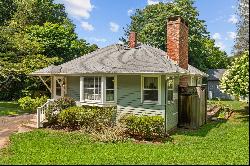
(103, 89)
(81, 89)
(38, 117)
(52, 87)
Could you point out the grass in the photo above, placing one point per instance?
(223, 142)
(9, 108)
(235, 105)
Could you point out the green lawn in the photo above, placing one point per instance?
(235, 105)
(9, 108)
(224, 142)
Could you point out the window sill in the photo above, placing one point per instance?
(151, 103)
(99, 104)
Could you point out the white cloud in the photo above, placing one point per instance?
(231, 35)
(114, 27)
(130, 12)
(78, 8)
(220, 45)
(233, 19)
(102, 40)
(152, 2)
(87, 26)
(216, 36)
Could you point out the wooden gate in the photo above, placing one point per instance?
(192, 106)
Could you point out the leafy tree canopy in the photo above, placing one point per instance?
(150, 25)
(34, 34)
(235, 80)
(242, 38)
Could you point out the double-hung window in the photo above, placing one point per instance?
(150, 89)
(170, 86)
(92, 88)
(110, 90)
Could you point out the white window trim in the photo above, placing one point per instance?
(82, 99)
(103, 90)
(115, 90)
(199, 81)
(159, 90)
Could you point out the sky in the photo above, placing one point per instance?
(101, 22)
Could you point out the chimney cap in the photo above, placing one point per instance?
(177, 17)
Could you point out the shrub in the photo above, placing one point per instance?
(70, 117)
(110, 134)
(144, 127)
(54, 109)
(29, 104)
(96, 118)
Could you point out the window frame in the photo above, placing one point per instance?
(199, 81)
(105, 89)
(94, 89)
(159, 89)
(102, 90)
(167, 85)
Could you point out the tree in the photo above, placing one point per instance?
(33, 40)
(7, 8)
(242, 37)
(235, 80)
(150, 25)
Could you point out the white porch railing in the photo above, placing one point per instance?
(41, 112)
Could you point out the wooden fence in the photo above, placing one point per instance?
(192, 106)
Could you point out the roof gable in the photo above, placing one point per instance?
(215, 74)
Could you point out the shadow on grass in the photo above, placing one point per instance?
(10, 109)
(242, 114)
(203, 130)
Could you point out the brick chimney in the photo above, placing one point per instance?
(132, 40)
(177, 43)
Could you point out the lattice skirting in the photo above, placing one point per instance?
(121, 111)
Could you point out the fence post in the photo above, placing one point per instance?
(38, 117)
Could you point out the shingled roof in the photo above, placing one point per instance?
(119, 58)
(215, 74)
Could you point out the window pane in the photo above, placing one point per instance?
(109, 82)
(151, 95)
(150, 83)
(89, 94)
(92, 88)
(97, 96)
(89, 82)
(170, 95)
(97, 82)
(109, 95)
(58, 89)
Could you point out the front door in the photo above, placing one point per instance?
(59, 87)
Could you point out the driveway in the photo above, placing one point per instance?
(10, 125)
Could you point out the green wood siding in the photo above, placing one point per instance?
(73, 87)
(129, 97)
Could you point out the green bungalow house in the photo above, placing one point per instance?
(137, 78)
